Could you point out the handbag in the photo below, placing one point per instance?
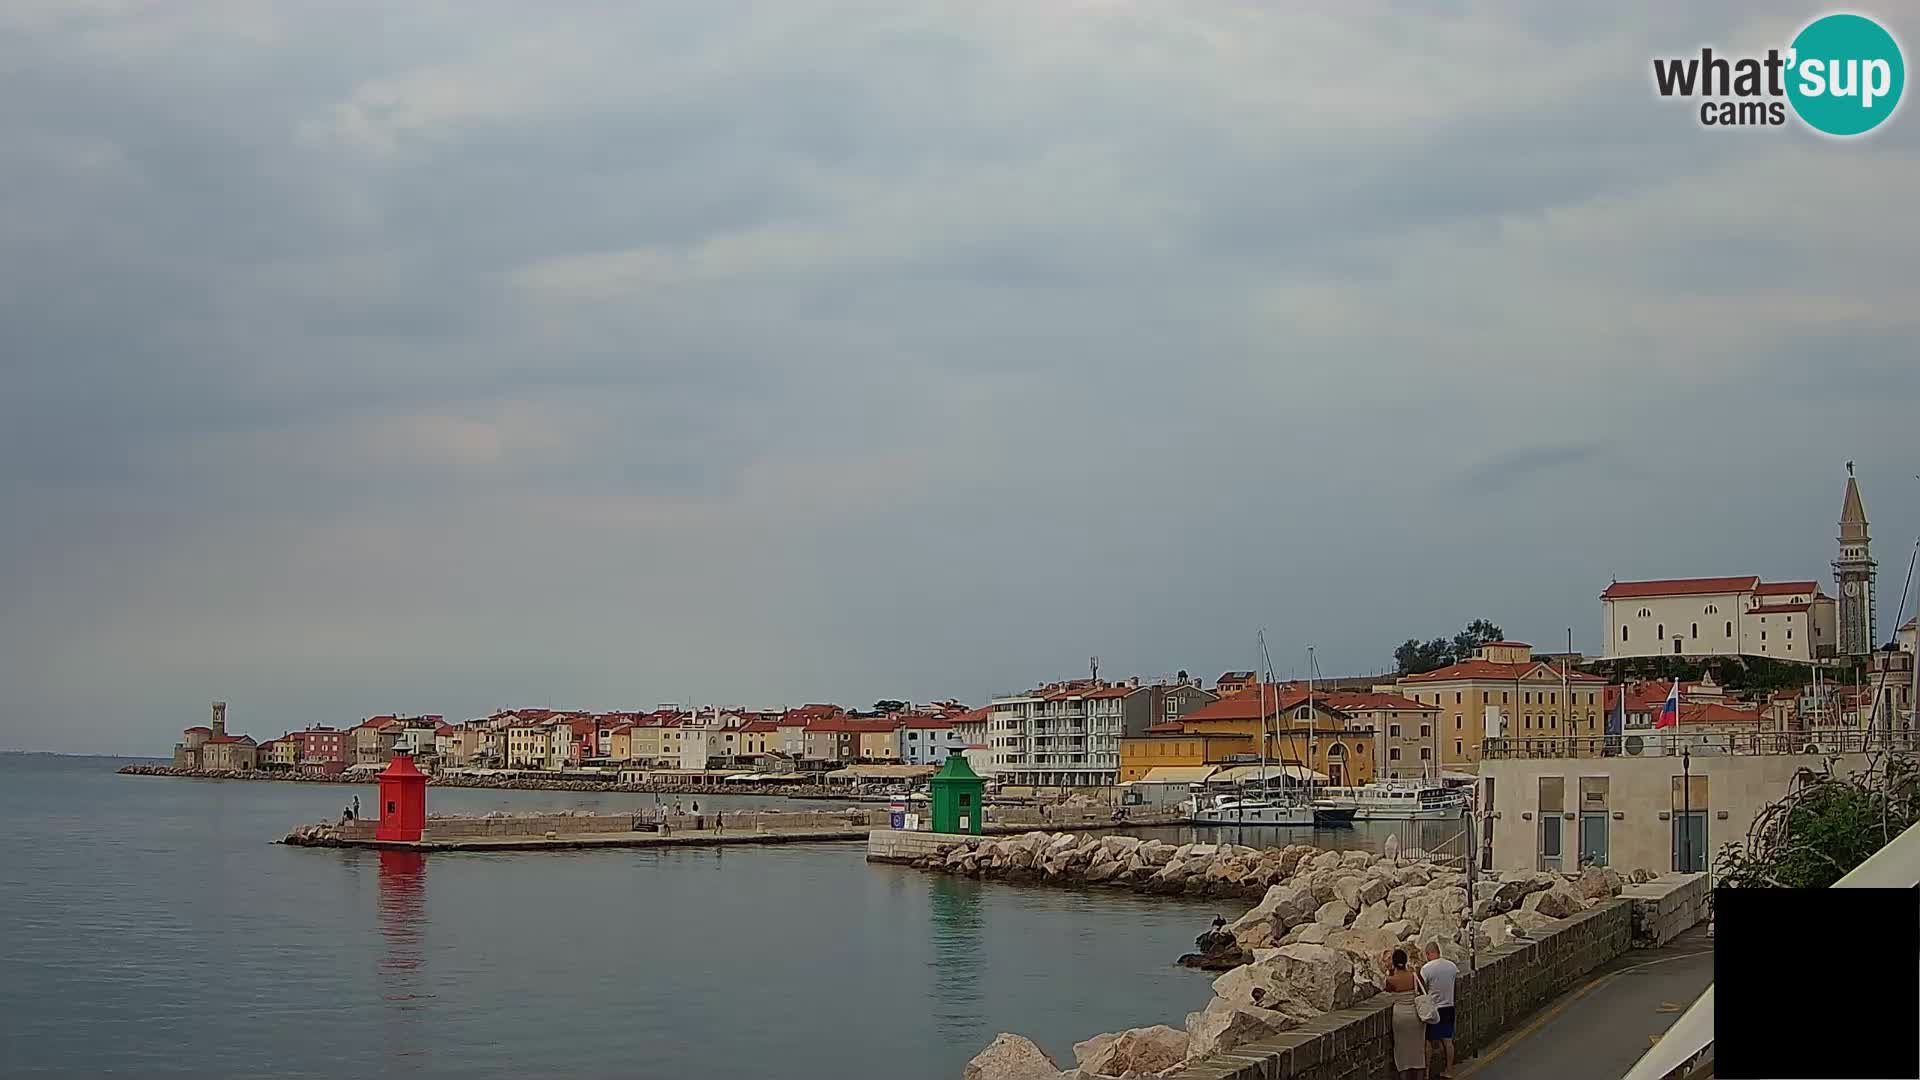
(1424, 1006)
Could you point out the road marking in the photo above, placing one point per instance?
(1558, 1007)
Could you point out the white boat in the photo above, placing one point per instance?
(1249, 809)
(1398, 801)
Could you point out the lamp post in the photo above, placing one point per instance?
(1686, 809)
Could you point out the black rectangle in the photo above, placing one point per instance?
(1816, 983)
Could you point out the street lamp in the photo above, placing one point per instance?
(1686, 809)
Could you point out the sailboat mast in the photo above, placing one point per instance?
(1312, 739)
(1261, 637)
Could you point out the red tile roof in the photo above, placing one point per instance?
(1776, 609)
(1712, 712)
(1621, 590)
(198, 727)
(1784, 588)
(1487, 669)
(1361, 701)
(762, 726)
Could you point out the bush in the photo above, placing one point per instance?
(1824, 827)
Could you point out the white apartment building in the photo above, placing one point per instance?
(1722, 616)
(1064, 735)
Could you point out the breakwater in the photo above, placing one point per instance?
(1311, 948)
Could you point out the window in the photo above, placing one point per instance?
(1304, 713)
(1456, 697)
(1763, 635)
(1485, 697)
(1503, 697)
(1789, 633)
(1696, 629)
(1527, 697)
(1426, 731)
(1393, 753)
(1729, 630)
(1713, 609)
(1456, 723)
(1660, 630)
(1645, 614)
(1393, 730)
(1426, 753)
(1553, 791)
(1456, 748)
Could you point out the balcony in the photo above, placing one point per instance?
(1701, 744)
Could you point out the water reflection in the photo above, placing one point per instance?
(403, 917)
(955, 1001)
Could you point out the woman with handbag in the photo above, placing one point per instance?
(1409, 1027)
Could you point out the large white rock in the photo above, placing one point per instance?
(1333, 914)
(1371, 917)
(1495, 932)
(1223, 1026)
(1138, 1051)
(1528, 920)
(1557, 902)
(1452, 901)
(1318, 975)
(1011, 1057)
(1326, 860)
(1312, 933)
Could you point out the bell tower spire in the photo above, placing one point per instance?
(1855, 574)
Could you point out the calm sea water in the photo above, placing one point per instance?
(148, 926)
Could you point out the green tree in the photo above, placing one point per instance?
(1824, 827)
(1415, 656)
(889, 706)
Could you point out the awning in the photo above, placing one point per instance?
(883, 772)
(1458, 777)
(757, 778)
(1250, 774)
(1176, 774)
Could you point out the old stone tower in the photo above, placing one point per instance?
(1854, 573)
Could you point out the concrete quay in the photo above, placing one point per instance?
(577, 832)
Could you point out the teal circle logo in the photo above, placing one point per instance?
(1845, 75)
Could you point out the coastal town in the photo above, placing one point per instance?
(1742, 679)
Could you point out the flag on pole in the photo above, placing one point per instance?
(1617, 719)
(1670, 708)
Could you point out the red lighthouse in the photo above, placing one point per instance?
(403, 801)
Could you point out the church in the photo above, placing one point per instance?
(1743, 615)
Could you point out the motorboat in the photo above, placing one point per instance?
(1397, 801)
(1251, 808)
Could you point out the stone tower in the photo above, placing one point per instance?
(1854, 573)
(219, 718)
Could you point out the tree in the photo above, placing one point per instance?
(1824, 827)
(888, 706)
(1415, 656)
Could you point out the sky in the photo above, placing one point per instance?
(438, 357)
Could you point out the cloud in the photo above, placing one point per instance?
(764, 352)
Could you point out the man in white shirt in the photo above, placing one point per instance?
(1439, 973)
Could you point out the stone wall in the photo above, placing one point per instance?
(1666, 907)
(902, 846)
(1511, 982)
(473, 828)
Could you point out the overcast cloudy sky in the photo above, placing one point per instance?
(440, 356)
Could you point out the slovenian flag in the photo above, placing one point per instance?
(1670, 708)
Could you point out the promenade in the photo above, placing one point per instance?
(1599, 1029)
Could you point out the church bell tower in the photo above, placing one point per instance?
(1854, 573)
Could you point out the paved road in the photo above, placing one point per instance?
(1598, 1034)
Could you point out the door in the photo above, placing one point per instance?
(1690, 842)
(1550, 842)
(1593, 839)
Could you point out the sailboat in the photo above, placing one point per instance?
(1265, 805)
(1326, 811)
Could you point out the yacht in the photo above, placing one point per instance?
(1249, 808)
(1397, 800)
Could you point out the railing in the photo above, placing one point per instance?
(1690, 1039)
(1668, 744)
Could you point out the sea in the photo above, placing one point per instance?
(149, 926)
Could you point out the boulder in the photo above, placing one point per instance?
(1398, 929)
(1320, 976)
(1357, 860)
(1333, 914)
(1495, 932)
(1223, 1026)
(1312, 933)
(1417, 874)
(1084, 1052)
(1257, 935)
(1138, 1051)
(1452, 901)
(1597, 883)
(1237, 986)
(1640, 876)
(1326, 860)
(1011, 1057)
(1528, 920)
(1371, 917)
(1364, 947)
(1558, 902)
(1103, 871)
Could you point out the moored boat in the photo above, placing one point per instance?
(1397, 800)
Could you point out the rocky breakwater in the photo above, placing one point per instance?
(1319, 936)
(1207, 870)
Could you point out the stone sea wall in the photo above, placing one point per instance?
(1314, 943)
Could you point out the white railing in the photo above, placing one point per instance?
(1896, 866)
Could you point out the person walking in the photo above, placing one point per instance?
(1409, 1034)
(1439, 975)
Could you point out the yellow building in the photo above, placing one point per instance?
(529, 744)
(1173, 748)
(880, 745)
(620, 743)
(281, 753)
(1503, 691)
(759, 737)
(1299, 728)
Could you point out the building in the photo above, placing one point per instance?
(1657, 809)
(374, 739)
(1406, 733)
(322, 749)
(1723, 616)
(1066, 734)
(1298, 726)
(925, 740)
(1904, 637)
(759, 737)
(1856, 574)
(280, 755)
(1171, 701)
(880, 740)
(529, 742)
(1235, 682)
(1504, 691)
(1171, 753)
(453, 746)
(211, 749)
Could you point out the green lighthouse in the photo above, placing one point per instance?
(959, 796)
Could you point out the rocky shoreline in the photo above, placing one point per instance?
(516, 783)
(1313, 943)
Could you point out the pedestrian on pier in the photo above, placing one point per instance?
(1409, 1034)
(356, 808)
(1439, 973)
